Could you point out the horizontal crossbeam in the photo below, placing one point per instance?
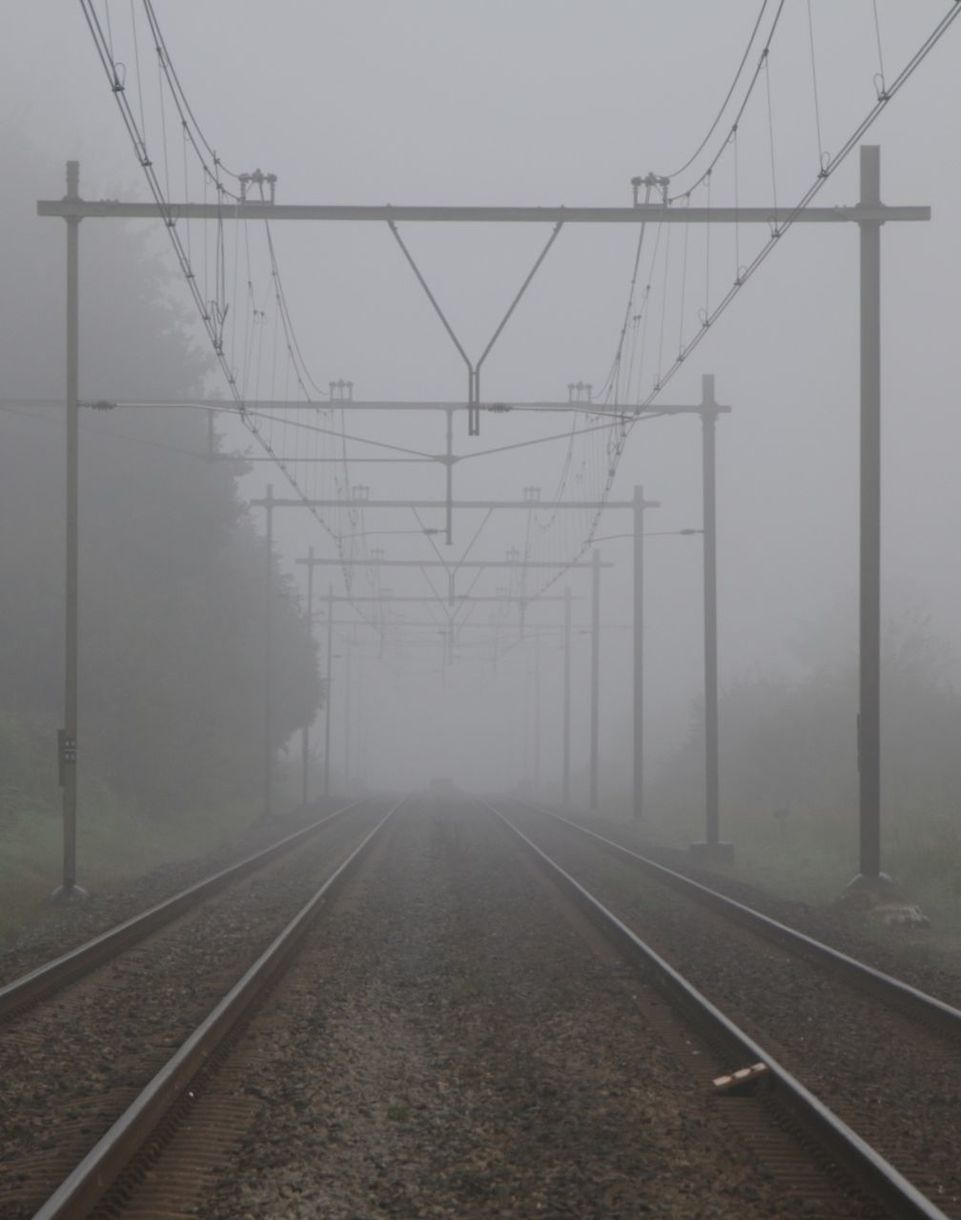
(641, 214)
(453, 566)
(489, 626)
(544, 505)
(621, 411)
(459, 597)
(348, 405)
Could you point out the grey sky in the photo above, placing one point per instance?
(557, 101)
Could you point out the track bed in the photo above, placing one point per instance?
(71, 1064)
(893, 1078)
(456, 1040)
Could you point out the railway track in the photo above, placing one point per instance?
(85, 1187)
(928, 1009)
(75, 1049)
(474, 1034)
(883, 1054)
(46, 980)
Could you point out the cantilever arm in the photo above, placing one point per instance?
(520, 292)
(430, 296)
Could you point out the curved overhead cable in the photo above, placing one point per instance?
(727, 97)
(220, 299)
(710, 314)
(749, 93)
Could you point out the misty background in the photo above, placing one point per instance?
(539, 103)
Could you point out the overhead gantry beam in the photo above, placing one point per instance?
(545, 505)
(453, 566)
(643, 213)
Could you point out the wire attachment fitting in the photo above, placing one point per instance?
(259, 179)
(650, 181)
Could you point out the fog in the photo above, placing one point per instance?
(368, 102)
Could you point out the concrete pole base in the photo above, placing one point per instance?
(881, 886)
(713, 853)
(883, 899)
(69, 893)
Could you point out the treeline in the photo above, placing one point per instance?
(172, 588)
(791, 745)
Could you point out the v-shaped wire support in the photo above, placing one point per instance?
(473, 370)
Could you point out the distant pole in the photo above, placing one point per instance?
(566, 776)
(360, 702)
(595, 671)
(268, 709)
(449, 470)
(711, 798)
(348, 650)
(537, 712)
(869, 719)
(68, 736)
(305, 736)
(638, 652)
(330, 671)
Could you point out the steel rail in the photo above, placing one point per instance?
(840, 1141)
(52, 976)
(894, 991)
(84, 1188)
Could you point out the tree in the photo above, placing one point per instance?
(793, 743)
(173, 592)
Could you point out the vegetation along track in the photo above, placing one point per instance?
(71, 1062)
(455, 1038)
(882, 1054)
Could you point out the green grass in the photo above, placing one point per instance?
(811, 855)
(114, 843)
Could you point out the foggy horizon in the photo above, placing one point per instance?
(517, 126)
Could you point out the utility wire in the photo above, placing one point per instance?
(213, 313)
(749, 93)
(727, 97)
(827, 170)
(829, 164)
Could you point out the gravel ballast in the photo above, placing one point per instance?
(918, 956)
(456, 1042)
(69, 1066)
(896, 1083)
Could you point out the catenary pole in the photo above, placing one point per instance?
(566, 775)
(869, 719)
(268, 693)
(305, 736)
(595, 672)
(449, 481)
(639, 505)
(537, 713)
(347, 681)
(708, 410)
(68, 736)
(708, 462)
(330, 671)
